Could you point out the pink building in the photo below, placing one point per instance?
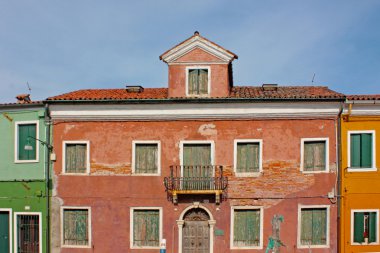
(207, 165)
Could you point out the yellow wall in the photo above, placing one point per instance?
(360, 190)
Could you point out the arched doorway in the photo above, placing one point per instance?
(196, 230)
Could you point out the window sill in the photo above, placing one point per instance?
(313, 246)
(246, 247)
(145, 247)
(26, 161)
(315, 172)
(365, 244)
(75, 174)
(76, 246)
(350, 169)
(146, 175)
(248, 174)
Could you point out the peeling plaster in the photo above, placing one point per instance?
(207, 130)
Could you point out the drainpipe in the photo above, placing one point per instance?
(339, 139)
(47, 176)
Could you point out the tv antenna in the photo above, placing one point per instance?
(29, 88)
(312, 80)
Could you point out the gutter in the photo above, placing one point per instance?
(339, 177)
(47, 177)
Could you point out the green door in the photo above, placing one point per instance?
(4, 231)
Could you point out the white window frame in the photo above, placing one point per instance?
(182, 143)
(327, 245)
(352, 225)
(64, 157)
(17, 123)
(373, 168)
(208, 81)
(39, 228)
(132, 246)
(9, 210)
(134, 158)
(233, 208)
(248, 174)
(327, 155)
(63, 208)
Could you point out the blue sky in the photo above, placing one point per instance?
(60, 46)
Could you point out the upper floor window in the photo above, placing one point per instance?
(198, 81)
(248, 157)
(26, 148)
(76, 157)
(314, 155)
(361, 150)
(146, 157)
(364, 226)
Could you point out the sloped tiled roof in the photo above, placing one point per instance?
(364, 97)
(239, 92)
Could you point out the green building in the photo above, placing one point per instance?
(24, 163)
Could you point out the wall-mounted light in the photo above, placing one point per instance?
(28, 146)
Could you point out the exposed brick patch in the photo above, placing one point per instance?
(110, 169)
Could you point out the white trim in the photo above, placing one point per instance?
(327, 245)
(199, 62)
(63, 208)
(352, 225)
(17, 123)
(9, 210)
(249, 174)
(212, 146)
(64, 157)
(233, 208)
(208, 80)
(39, 228)
(181, 222)
(166, 111)
(131, 227)
(327, 154)
(158, 157)
(373, 168)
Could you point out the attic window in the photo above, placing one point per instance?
(197, 81)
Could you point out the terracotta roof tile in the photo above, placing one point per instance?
(364, 97)
(239, 92)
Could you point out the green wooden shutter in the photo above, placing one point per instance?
(372, 227)
(248, 157)
(203, 81)
(24, 132)
(358, 227)
(146, 158)
(146, 227)
(75, 226)
(366, 151)
(196, 155)
(306, 226)
(246, 228)
(319, 226)
(355, 150)
(193, 80)
(76, 158)
(314, 156)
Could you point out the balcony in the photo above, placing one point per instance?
(197, 179)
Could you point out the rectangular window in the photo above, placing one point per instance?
(28, 233)
(364, 226)
(313, 227)
(247, 227)
(26, 143)
(197, 83)
(248, 155)
(76, 157)
(146, 228)
(361, 150)
(314, 155)
(76, 227)
(146, 158)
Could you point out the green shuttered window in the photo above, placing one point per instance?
(75, 227)
(314, 156)
(146, 228)
(365, 227)
(246, 228)
(146, 158)
(313, 226)
(26, 138)
(361, 150)
(76, 158)
(198, 82)
(247, 157)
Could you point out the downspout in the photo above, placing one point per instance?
(47, 176)
(339, 151)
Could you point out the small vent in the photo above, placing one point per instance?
(134, 89)
(270, 86)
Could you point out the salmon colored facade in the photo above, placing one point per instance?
(360, 188)
(277, 121)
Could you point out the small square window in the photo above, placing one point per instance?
(146, 157)
(361, 150)
(365, 228)
(76, 227)
(76, 157)
(197, 81)
(26, 143)
(146, 228)
(313, 227)
(314, 155)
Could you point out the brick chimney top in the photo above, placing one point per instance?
(23, 99)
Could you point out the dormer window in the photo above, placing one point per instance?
(198, 81)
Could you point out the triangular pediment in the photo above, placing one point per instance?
(197, 42)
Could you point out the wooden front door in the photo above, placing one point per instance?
(4, 232)
(196, 232)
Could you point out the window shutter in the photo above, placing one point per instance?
(319, 227)
(358, 227)
(319, 156)
(246, 228)
(306, 226)
(24, 132)
(75, 227)
(248, 157)
(146, 228)
(203, 81)
(193, 81)
(146, 156)
(372, 227)
(355, 150)
(76, 158)
(366, 151)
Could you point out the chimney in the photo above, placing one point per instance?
(270, 86)
(134, 88)
(23, 99)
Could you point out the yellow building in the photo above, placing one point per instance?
(360, 174)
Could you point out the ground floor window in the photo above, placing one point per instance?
(365, 226)
(146, 227)
(76, 230)
(28, 233)
(313, 226)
